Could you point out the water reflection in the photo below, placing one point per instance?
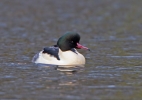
(64, 68)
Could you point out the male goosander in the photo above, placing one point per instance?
(64, 53)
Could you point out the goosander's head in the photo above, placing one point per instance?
(70, 40)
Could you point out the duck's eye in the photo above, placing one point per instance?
(72, 42)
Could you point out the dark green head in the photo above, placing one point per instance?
(70, 40)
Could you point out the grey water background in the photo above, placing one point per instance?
(112, 29)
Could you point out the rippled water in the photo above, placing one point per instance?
(112, 29)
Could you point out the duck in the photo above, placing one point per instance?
(63, 53)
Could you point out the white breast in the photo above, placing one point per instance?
(70, 57)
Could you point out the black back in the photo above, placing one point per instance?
(53, 51)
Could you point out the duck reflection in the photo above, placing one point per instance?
(69, 69)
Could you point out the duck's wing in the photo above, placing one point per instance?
(52, 51)
(47, 52)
